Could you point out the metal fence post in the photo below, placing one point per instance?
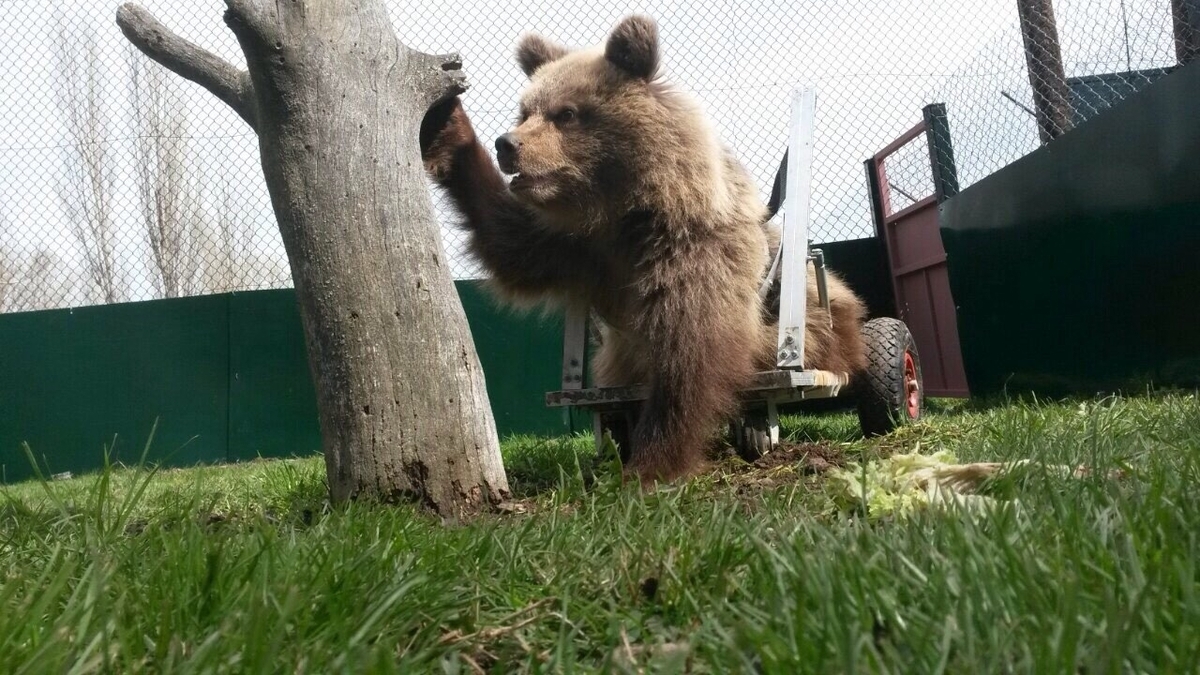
(941, 151)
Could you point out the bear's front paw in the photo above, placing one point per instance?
(444, 131)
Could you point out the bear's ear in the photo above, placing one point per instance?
(633, 46)
(535, 51)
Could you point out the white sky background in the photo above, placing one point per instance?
(875, 63)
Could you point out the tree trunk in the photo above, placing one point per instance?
(1043, 58)
(337, 103)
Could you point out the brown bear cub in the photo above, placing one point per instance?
(624, 201)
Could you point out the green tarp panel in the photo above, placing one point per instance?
(226, 375)
(72, 380)
(521, 355)
(1075, 268)
(272, 402)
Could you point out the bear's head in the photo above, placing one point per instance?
(594, 124)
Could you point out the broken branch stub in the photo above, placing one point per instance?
(337, 103)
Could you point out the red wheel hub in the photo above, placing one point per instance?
(912, 388)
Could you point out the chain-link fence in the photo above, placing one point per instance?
(121, 181)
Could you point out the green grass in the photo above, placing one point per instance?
(246, 569)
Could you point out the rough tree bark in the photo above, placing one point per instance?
(337, 102)
(1043, 58)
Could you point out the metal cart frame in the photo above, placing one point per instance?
(757, 430)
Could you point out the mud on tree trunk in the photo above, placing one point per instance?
(337, 103)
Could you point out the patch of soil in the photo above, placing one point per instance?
(806, 457)
(799, 458)
(789, 463)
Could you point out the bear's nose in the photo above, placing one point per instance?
(507, 143)
(506, 150)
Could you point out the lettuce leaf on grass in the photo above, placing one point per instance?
(904, 484)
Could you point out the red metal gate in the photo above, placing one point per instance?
(916, 257)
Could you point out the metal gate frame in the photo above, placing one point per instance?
(916, 258)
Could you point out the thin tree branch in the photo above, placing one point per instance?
(188, 60)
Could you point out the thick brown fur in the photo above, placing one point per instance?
(625, 201)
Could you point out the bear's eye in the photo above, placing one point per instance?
(564, 116)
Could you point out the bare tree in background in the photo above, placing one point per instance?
(40, 282)
(87, 187)
(8, 276)
(226, 250)
(169, 200)
(8, 269)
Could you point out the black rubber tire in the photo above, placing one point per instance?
(881, 390)
(751, 436)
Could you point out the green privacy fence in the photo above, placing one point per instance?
(224, 375)
(1074, 269)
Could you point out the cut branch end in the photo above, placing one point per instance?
(448, 69)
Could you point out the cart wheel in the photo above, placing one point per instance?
(752, 436)
(891, 392)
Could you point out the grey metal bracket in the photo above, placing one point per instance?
(794, 240)
(574, 347)
(817, 256)
(781, 385)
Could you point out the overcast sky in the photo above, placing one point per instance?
(874, 63)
